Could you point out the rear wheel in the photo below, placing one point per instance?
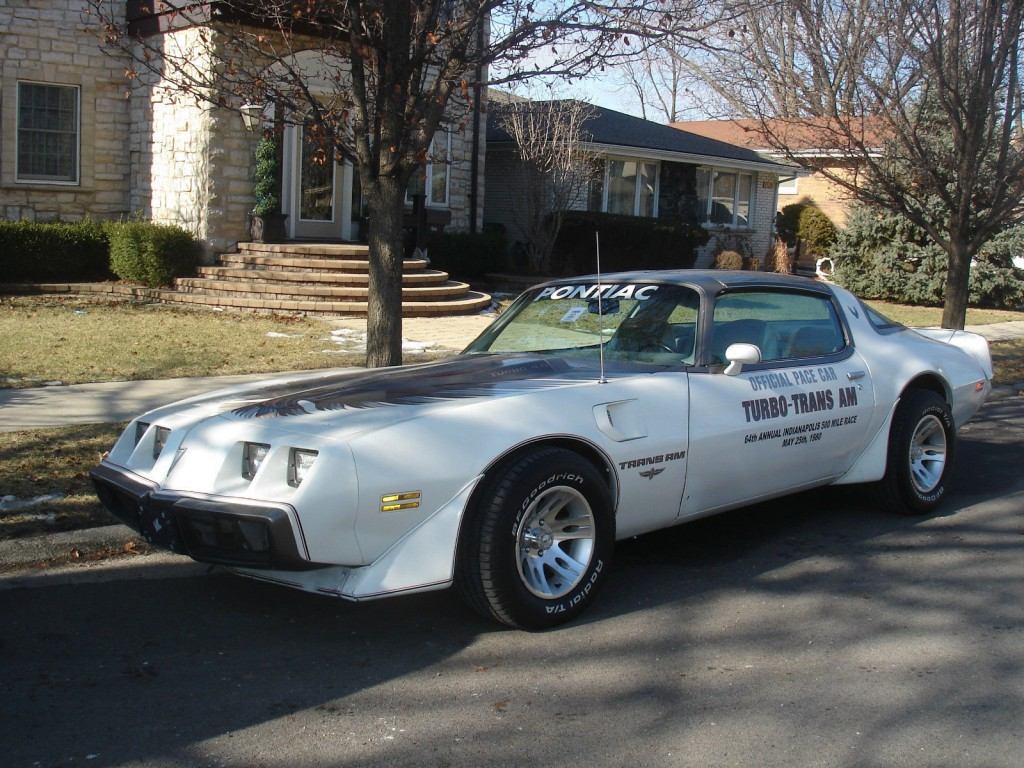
(921, 447)
(539, 541)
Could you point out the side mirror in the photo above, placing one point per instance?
(739, 355)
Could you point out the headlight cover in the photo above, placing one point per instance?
(299, 463)
(253, 455)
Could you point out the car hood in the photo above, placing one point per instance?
(342, 404)
(460, 378)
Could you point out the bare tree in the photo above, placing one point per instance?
(554, 172)
(659, 78)
(386, 73)
(929, 86)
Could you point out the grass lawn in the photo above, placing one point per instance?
(1008, 361)
(77, 340)
(53, 461)
(930, 316)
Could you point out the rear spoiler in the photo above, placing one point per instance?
(973, 344)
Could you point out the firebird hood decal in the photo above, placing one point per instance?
(459, 378)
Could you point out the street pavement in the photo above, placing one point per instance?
(812, 631)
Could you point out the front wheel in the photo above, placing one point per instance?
(539, 541)
(921, 448)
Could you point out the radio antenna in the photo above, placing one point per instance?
(600, 306)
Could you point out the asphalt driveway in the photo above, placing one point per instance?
(813, 631)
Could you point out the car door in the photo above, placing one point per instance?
(797, 419)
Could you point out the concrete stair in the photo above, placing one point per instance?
(316, 278)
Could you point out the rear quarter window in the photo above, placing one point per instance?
(783, 325)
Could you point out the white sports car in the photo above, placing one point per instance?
(591, 410)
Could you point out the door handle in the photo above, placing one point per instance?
(854, 375)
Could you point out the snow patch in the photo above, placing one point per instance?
(352, 340)
(11, 503)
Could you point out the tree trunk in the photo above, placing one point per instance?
(954, 314)
(384, 310)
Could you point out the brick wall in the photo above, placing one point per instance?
(48, 42)
(825, 195)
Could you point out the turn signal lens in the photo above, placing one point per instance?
(299, 464)
(159, 441)
(253, 455)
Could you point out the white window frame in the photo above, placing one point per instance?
(78, 136)
(428, 173)
(636, 186)
(789, 186)
(709, 195)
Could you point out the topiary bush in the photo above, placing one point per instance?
(816, 231)
(788, 220)
(265, 178)
(152, 254)
(58, 252)
(627, 242)
(729, 260)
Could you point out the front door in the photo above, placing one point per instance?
(318, 191)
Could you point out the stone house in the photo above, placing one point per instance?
(78, 138)
(653, 170)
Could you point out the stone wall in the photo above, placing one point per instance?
(191, 162)
(48, 41)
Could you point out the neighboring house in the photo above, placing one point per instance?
(806, 143)
(77, 138)
(653, 170)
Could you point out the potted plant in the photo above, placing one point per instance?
(266, 223)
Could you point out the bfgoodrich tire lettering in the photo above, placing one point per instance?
(921, 448)
(539, 541)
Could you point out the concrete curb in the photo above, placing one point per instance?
(70, 546)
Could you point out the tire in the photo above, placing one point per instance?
(922, 444)
(538, 542)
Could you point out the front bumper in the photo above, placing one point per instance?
(209, 529)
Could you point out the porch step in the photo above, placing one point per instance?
(470, 302)
(255, 275)
(316, 278)
(277, 290)
(308, 264)
(311, 250)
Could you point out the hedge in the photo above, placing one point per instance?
(64, 252)
(466, 254)
(627, 243)
(153, 254)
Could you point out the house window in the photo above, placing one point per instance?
(48, 133)
(631, 187)
(788, 187)
(436, 174)
(725, 197)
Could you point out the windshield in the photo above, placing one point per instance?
(643, 323)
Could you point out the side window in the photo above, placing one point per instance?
(784, 326)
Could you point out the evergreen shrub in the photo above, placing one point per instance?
(881, 255)
(152, 254)
(58, 252)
